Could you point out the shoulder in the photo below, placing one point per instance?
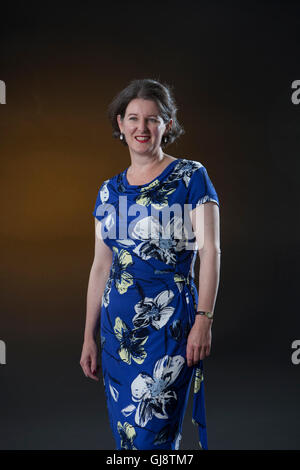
(189, 166)
(186, 169)
(105, 184)
(112, 185)
(109, 182)
(103, 192)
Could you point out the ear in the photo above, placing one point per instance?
(119, 119)
(169, 125)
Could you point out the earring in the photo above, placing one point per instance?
(121, 136)
(165, 139)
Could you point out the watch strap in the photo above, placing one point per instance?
(207, 314)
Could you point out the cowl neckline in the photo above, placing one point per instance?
(138, 187)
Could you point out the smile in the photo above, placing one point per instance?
(142, 139)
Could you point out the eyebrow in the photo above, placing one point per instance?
(134, 114)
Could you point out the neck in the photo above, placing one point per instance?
(143, 163)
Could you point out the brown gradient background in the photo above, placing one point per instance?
(231, 65)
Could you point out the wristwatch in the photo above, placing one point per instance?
(207, 314)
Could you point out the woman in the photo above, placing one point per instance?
(155, 327)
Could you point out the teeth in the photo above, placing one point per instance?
(142, 138)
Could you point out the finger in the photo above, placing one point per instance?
(87, 370)
(206, 351)
(94, 366)
(202, 353)
(196, 355)
(89, 365)
(94, 377)
(95, 373)
(91, 375)
(189, 356)
(82, 365)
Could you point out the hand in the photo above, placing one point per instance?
(88, 360)
(199, 340)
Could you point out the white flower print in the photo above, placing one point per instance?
(106, 292)
(114, 392)
(104, 192)
(177, 440)
(160, 242)
(128, 410)
(154, 393)
(154, 311)
(109, 221)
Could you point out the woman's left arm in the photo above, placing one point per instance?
(206, 226)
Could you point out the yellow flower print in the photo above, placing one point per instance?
(127, 434)
(179, 277)
(122, 278)
(156, 194)
(132, 342)
(198, 379)
(180, 280)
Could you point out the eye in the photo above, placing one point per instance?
(150, 119)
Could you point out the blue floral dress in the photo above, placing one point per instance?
(148, 305)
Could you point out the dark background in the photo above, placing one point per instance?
(231, 65)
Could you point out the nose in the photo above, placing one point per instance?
(143, 125)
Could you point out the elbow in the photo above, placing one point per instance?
(210, 249)
(102, 269)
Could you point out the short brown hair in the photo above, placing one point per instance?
(147, 89)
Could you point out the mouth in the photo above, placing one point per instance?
(142, 139)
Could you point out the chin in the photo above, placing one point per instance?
(140, 149)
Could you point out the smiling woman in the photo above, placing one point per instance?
(141, 128)
(142, 283)
(151, 90)
(146, 124)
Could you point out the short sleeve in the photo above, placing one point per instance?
(201, 188)
(101, 208)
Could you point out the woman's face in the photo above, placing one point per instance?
(142, 119)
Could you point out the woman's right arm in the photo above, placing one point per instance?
(97, 280)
